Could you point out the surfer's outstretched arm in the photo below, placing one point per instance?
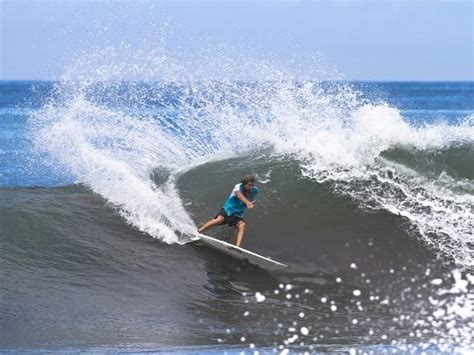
(211, 223)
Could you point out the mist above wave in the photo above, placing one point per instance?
(120, 113)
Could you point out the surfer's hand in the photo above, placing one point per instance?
(249, 205)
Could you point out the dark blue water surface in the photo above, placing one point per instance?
(377, 260)
(424, 102)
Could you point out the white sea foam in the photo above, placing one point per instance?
(113, 141)
(114, 154)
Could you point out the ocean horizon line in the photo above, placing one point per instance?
(326, 80)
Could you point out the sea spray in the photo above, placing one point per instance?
(120, 113)
(439, 320)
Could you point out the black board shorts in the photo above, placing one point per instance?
(230, 220)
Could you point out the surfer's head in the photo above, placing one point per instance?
(248, 181)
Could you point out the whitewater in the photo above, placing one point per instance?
(112, 133)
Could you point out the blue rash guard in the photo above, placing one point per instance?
(233, 206)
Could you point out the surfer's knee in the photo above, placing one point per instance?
(219, 219)
(241, 225)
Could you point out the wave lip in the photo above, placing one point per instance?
(113, 135)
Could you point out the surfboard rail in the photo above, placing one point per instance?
(238, 252)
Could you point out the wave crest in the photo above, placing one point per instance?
(110, 133)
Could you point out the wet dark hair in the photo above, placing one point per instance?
(248, 178)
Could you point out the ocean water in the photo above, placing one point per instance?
(366, 190)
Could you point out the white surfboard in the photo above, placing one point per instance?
(237, 252)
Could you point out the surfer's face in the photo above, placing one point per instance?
(249, 185)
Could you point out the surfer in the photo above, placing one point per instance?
(241, 198)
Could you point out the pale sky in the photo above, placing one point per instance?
(365, 40)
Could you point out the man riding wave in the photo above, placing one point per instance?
(241, 198)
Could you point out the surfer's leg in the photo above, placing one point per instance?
(211, 223)
(240, 234)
